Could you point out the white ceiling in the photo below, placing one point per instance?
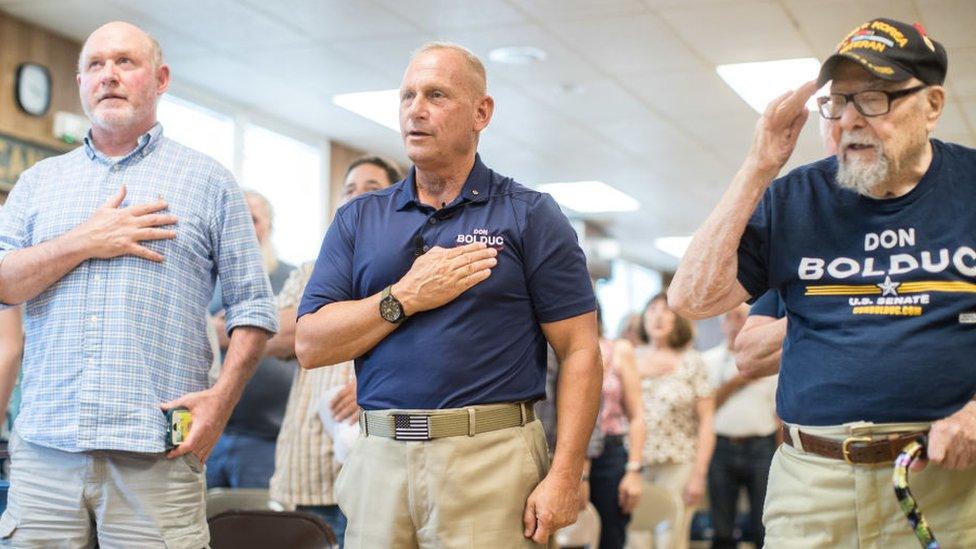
(628, 94)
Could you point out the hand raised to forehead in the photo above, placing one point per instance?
(779, 128)
(442, 274)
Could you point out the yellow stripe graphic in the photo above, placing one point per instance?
(956, 286)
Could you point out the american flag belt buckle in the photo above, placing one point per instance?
(411, 427)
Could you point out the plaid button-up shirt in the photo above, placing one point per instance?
(114, 338)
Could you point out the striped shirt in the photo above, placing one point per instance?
(114, 338)
(304, 465)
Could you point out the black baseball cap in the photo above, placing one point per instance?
(890, 50)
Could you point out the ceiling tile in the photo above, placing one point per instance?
(738, 33)
(594, 103)
(562, 65)
(437, 15)
(566, 10)
(687, 93)
(225, 24)
(962, 72)
(949, 21)
(825, 23)
(952, 121)
(329, 20)
(622, 45)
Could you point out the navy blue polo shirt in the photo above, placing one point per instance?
(484, 347)
(880, 294)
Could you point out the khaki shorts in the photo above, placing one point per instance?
(461, 491)
(119, 499)
(817, 502)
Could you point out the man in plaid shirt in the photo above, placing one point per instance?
(114, 249)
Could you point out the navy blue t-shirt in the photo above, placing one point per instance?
(880, 294)
(769, 304)
(484, 347)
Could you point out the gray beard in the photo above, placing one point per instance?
(861, 177)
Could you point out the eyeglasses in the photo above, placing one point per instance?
(867, 102)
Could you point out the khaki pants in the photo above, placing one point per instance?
(674, 477)
(120, 500)
(817, 502)
(462, 491)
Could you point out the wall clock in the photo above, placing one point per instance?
(32, 88)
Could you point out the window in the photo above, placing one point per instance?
(626, 291)
(288, 173)
(199, 128)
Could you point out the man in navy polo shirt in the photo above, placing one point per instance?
(445, 289)
(872, 252)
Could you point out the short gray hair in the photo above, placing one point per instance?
(475, 64)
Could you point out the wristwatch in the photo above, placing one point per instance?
(390, 307)
(633, 467)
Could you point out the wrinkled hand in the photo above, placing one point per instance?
(952, 441)
(694, 490)
(629, 491)
(113, 231)
(440, 275)
(553, 504)
(344, 405)
(779, 128)
(210, 411)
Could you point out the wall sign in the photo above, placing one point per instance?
(16, 156)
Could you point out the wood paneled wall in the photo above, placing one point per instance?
(22, 42)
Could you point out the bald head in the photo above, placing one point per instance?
(121, 76)
(120, 32)
(474, 74)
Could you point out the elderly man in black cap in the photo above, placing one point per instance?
(872, 252)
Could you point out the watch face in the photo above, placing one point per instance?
(391, 310)
(33, 89)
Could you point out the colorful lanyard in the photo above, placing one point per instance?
(912, 452)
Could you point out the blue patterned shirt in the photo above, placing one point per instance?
(114, 338)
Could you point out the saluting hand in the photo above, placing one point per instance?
(113, 231)
(440, 275)
(780, 125)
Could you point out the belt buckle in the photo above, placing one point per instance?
(846, 446)
(411, 427)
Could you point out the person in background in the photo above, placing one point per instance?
(615, 474)
(630, 328)
(304, 467)
(678, 409)
(745, 428)
(114, 248)
(244, 455)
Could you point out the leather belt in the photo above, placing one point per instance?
(854, 449)
(471, 421)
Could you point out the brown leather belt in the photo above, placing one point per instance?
(855, 449)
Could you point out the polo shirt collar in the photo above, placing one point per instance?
(144, 145)
(477, 187)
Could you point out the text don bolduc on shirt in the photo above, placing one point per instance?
(486, 346)
(880, 294)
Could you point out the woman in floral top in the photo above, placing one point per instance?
(678, 409)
